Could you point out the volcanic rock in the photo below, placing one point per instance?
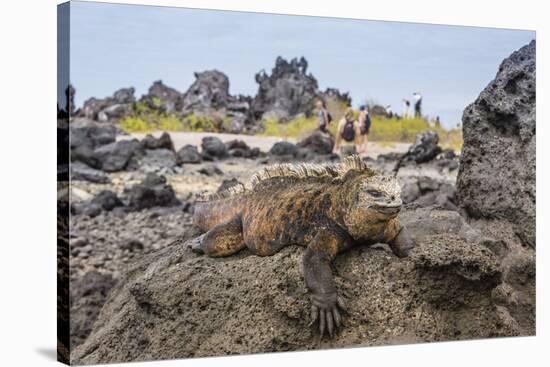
(188, 154)
(497, 177)
(286, 92)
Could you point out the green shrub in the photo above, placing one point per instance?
(133, 124)
(295, 128)
(170, 123)
(403, 130)
(209, 123)
(157, 102)
(142, 108)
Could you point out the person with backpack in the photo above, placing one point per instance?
(364, 127)
(324, 116)
(347, 133)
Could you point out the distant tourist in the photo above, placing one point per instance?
(364, 126)
(437, 122)
(389, 112)
(417, 97)
(347, 134)
(406, 108)
(324, 116)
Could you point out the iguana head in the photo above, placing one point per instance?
(372, 200)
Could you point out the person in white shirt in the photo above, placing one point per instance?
(389, 111)
(406, 108)
(417, 97)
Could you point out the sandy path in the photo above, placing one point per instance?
(263, 142)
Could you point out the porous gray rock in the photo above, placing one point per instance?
(151, 192)
(238, 148)
(213, 147)
(115, 156)
(210, 170)
(86, 299)
(83, 172)
(188, 154)
(283, 148)
(109, 108)
(425, 191)
(86, 208)
(424, 149)
(155, 160)
(447, 280)
(162, 142)
(497, 177)
(107, 200)
(162, 97)
(209, 95)
(317, 142)
(85, 132)
(496, 185)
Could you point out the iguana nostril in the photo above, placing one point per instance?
(393, 197)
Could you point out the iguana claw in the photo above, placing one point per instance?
(325, 310)
(195, 245)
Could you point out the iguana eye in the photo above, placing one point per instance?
(374, 193)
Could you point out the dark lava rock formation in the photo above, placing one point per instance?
(209, 95)
(425, 148)
(109, 108)
(317, 142)
(152, 191)
(283, 148)
(497, 179)
(188, 154)
(213, 147)
(286, 92)
(163, 97)
(497, 172)
(163, 142)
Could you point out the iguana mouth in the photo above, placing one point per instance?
(390, 209)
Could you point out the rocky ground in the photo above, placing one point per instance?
(249, 304)
(137, 294)
(109, 234)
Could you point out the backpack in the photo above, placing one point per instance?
(366, 125)
(348, 133)
(329, 117)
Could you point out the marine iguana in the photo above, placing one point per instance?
(326, 208)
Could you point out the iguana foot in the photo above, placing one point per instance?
(325, 310)
(195, 244)
(402, 244)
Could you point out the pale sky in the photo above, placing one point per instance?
(115, 46)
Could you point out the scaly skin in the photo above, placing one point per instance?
(327, 213)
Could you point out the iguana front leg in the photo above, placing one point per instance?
(399, 239)
(325, 302)
(222, 240)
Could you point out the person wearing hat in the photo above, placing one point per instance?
(348, 134)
